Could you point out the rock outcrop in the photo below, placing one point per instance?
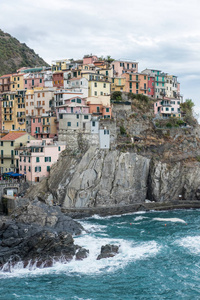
(108, 251)
(37, 234)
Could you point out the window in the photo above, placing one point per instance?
(107, 109)
(104, 85)
(59, 149)
(1, 143)
(86, 117)
(77, 116)
(95, 84)
(25, 168)
(95, 93)
(16, 152)
(98, 109)
(11, 143)
(145, 77)
(29, 169)
(78, 100)
(68, 124)
(38, 95)
(37, 169)
(93, 123)
(40, 80)
(33, 120)
(77, 124)
(29, 159)
(37, 159)
(2, 161)
(39, 120)
(48, 168)
(47, 159)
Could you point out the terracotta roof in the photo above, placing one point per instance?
(7, 75)
(12, 136)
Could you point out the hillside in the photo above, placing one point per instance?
(14, 55)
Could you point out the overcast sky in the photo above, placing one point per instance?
(164, 35)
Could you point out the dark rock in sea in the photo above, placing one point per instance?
(82, 253)
(108, 251)
(37, 234)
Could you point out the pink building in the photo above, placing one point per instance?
(33, 80)
(167, 108)
(89, 59)
(121, 67)
(36, 159)
(43, 126)
(75, 105)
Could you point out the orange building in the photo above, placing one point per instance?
(100, 106)
(136, 83)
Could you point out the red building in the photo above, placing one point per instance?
(5, 83)
(151, 86)
(58, 79)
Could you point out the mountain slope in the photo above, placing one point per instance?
(14, 55)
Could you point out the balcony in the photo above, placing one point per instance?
(38, 106)
(47, 124)
(8, 120)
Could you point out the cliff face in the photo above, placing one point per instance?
(108, 178)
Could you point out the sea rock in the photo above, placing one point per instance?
(31, 242)
(108, 251)
(39, 213)
(38, 234)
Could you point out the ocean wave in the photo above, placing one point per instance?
(191, 243)
(128, 251)
(140, 218)
(174, 220)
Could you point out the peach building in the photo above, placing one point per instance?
(136, 83)
(100, 106)
(39, 101)
(36, 159)
(89, 59)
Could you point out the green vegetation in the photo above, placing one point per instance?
(170, 123)
(186, 108)
(117, 96)
(14, 55)
(122, 130)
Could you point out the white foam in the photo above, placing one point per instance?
(191, 243)
(93, 227)
(140, 218)
(169, 220)
(128, 251)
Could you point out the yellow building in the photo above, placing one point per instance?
(17, 82)
(13, 111)
(97, 85)
(8, 145)
(118, 84)
(60, 65)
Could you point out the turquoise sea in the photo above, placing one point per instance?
(159, 258)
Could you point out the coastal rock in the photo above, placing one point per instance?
(38, 234)
(108, 251)
(39, 213)
(30, 243)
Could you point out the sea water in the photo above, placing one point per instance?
(159, 258)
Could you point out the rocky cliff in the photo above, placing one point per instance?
(144, 162)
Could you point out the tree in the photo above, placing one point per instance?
(117, 95)
(187, 106)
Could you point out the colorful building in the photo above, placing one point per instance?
(100, 106)
(36, 159)
(167, 107)
(13, 110)
(8, 145)
(39, 101)
(123, 66)
(136, 83)
(33, 80)
(43, 126)
(118, 84)
(58, 80)
(17, 82)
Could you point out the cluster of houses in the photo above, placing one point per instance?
(42, 106)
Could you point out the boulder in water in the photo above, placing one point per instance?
(108, 251)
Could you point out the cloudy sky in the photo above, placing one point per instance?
(158, 34)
